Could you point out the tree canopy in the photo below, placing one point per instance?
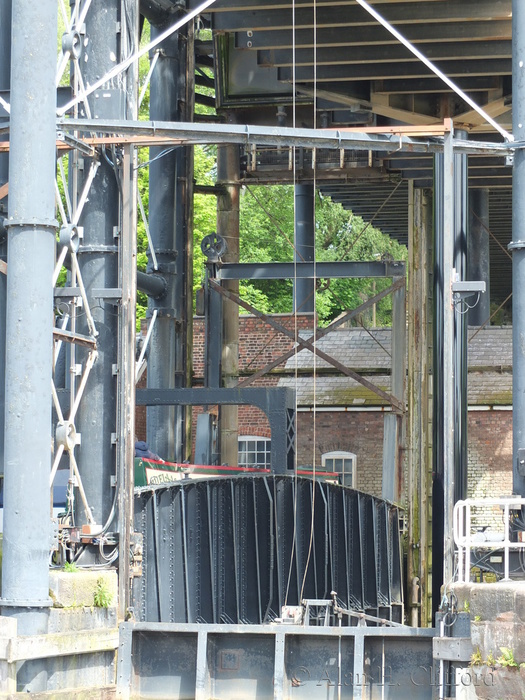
(267, 232)
(266, 235)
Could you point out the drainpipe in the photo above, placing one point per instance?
(5, 79)
(517, 246)
(29, 326)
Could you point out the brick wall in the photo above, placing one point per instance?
(358, 432)
(489, 461)
(490, 432)
(259, 343)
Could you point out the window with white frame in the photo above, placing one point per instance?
(343, 463)
(254, 451)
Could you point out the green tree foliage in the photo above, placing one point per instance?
(266, 234)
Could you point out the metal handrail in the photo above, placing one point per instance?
(462, 524)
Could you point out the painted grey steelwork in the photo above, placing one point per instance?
(249, 134)
(518, 247)
(98, 261)
(154, 285)
(437, 388)
(448, 360)
(29, 326)
(213, 332)
(394, 431)
(461, 219)
(236, 549)
(168, 221)
(276, 402)
(274, 271)
(304, 246)
(5, 81)
(275, 661)
(478, 262)
(228, 228)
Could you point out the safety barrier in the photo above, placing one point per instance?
(466, 540)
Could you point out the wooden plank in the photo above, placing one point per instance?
(46, 646)
(104, 693)
(4, 189)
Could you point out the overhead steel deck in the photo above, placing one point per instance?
(272, 56)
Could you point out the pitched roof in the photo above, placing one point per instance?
(368, 353)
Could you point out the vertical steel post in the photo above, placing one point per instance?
(228, 228)
(437, 387)
(448, 357)
(517, 246)
(461, 219)
(29, 326)
(170, 212)
(304, 296)
(98, 261)
(5, 81)
(478, 263)
(394, 423)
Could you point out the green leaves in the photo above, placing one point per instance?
(266, 235)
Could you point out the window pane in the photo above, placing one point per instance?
(254, 452)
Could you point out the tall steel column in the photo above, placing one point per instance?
(98, 261)
(304, 297)
(478, 262)
(29, 326)
(437, 388)
(5, 80)
(449, 427)
(518, 247)
(228, 228)
(461, 219)
(169, 212)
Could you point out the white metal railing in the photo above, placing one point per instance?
(466, 540)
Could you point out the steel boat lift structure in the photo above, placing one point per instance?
(388, 90)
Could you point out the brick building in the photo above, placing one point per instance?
(348, 418)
